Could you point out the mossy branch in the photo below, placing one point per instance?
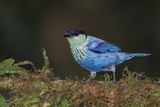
(39, 90)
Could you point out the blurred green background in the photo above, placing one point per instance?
(27, 26)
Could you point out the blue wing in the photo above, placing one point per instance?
(100, 46)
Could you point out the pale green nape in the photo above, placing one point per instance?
(76, 40)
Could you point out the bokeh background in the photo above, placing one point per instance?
(27, 26)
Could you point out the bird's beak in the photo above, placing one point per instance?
(66, 35)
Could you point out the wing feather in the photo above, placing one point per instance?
(100, 46)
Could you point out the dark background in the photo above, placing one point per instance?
(27, 26)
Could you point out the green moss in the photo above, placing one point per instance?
(39, 89)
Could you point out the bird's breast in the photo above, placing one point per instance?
(85, 58)
(79, 54)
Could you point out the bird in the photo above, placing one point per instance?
(95, 54)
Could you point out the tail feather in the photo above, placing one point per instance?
(138, 54)
(127, 56)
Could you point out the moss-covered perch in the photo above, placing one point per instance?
(38, 88)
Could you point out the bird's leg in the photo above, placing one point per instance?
(113, 69)
(93, 74)
(114, 77)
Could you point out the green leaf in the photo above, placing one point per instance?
(54, 103)
(3, 102)
(6, 65)
(134, 103)
(43, 91)
(63, 102)
(31, 100)
(25, 63)
(46, 61)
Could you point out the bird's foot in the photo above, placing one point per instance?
(92, 76)
(89, 79)
(113, 81)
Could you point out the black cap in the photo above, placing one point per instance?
(73, 32)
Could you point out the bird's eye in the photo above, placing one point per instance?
(76, 34)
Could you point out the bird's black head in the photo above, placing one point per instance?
(73, 32)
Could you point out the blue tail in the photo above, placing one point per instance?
(127, 56)
(138, 54)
